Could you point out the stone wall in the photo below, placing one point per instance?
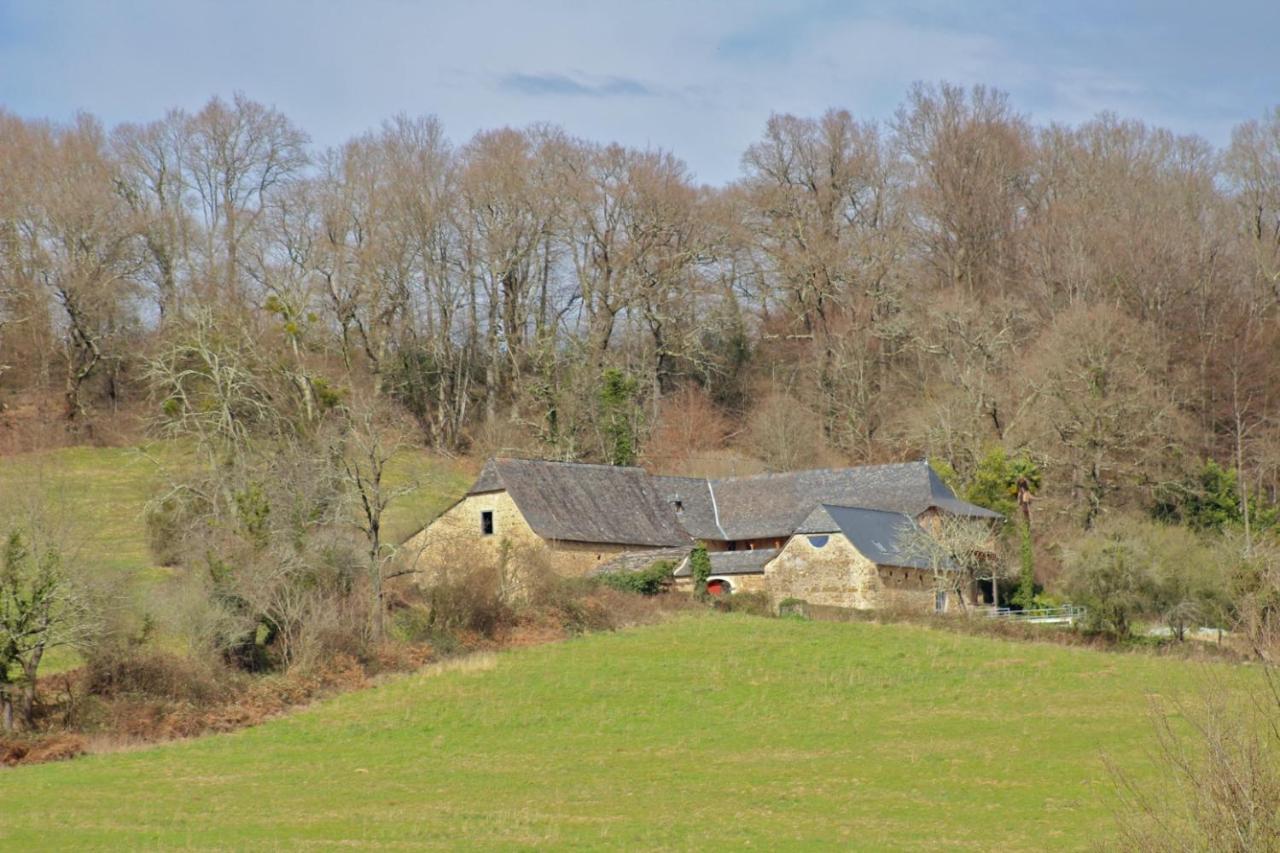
(838, 575)
(834, 573)
(908, 589)
(741, 583)
(457, 534)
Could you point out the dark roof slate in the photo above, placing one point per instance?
(576, 502)
(751, 562)
(884, 538)
(769, 505)
(639, 561)
(697, 510)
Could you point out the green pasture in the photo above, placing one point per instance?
(719, 731)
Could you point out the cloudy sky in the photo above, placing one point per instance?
(698, 78)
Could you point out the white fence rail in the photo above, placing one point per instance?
(1066, 615)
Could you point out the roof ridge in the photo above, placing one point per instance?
(604, 465)
(824, 505)
(768, 474)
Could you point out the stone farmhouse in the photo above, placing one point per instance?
(836, 537)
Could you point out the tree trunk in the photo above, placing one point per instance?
(30, 670)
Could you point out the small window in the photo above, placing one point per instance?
(940, 602)
(819, 541)
(486, 522)
(679, 504)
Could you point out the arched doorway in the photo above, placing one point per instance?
(719, 586)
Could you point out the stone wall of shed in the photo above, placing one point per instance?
(835, 574)
(915, 589)
(906, 588)
(457, 535)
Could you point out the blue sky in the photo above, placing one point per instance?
(698, 78)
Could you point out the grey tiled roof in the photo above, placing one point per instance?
(750, 562)
(696, 509)
(770, 505)
(574, 502)
(818, 521)
(882, 537)
(638, 561)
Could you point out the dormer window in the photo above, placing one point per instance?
(486, 523)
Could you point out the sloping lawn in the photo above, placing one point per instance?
(98, 495)
(706, 732)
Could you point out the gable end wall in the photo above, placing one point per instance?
(456, 534)
(835, 575)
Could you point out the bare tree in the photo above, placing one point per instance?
(958, 551)
(238, 154)
(373, 439)
(75, 236)
(154, 181)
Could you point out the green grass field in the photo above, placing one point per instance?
(706, 732)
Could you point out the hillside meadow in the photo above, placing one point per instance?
(99, 494)
(96, 498)
(703, 732)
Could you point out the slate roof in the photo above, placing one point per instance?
(638, 561)
(576, 502)
(882, 537)
(769, 505)
(751, 562)
(697, 509)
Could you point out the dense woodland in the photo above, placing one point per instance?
(1100, 299)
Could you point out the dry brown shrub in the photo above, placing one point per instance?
(725, 462)
(785, 435)
(58, 746)
(688, 425)
(1218, 787)
(399, 657)
(157, 675)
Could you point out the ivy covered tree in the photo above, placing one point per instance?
(700, 570)
(1209, 499)
(618, 391)
(1007, 483)
(41, 608)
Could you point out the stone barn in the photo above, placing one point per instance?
(580, 515)
(832, 536)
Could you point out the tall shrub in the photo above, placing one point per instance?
(700, 569)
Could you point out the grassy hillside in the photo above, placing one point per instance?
(720, 731)
(99, 494)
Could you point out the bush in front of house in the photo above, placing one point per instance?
(751, 603)
(650, 581)
(470, 600)
(793, 608)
